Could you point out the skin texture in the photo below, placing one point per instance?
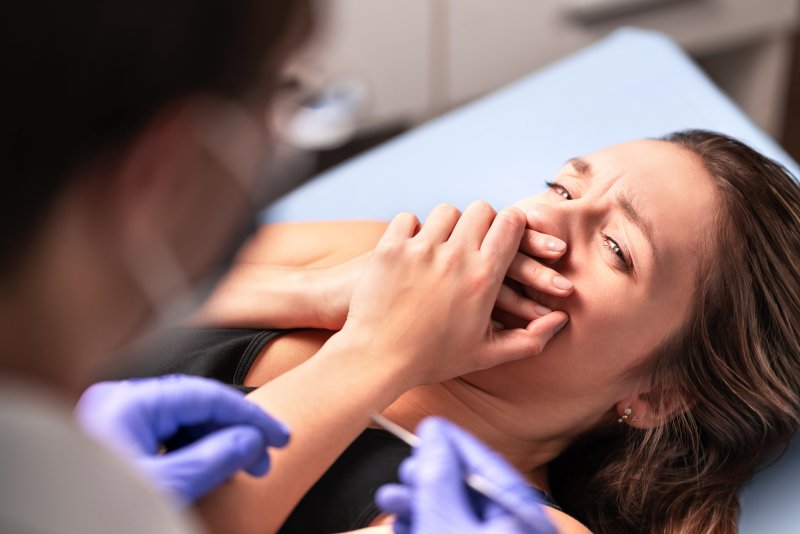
(532, 409)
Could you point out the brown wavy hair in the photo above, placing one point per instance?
(733, 369)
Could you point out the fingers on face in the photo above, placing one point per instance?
(503, 320)
(549, 325)
(519, 305)
(502, 241)
(517, 343)
(539, 245)
(531, 273)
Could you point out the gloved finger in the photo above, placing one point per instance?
(531, 273)
(439, 476)
(98, 413)
(96, 393)
(407, 471)
(477, 458)
(516, 343)
(401, 525)
(480, 459)
(519, 305)
(394, 499)
(539, 245)
(174, 401)
(260, 466)
(439, 224)
(193, 471)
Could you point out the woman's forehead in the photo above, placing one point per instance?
(670, 187)
(646, 157)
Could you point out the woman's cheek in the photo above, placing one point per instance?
(598, 316)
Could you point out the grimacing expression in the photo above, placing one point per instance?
(635, 217)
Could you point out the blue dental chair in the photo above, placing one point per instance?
(500, 148)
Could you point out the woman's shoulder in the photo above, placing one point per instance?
(565, 524)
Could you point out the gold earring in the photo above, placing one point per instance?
(625, 414)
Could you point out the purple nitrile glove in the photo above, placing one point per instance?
(220, 431)
(434, 498)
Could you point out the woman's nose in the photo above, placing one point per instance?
(567, 220)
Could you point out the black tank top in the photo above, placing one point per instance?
(343, 498)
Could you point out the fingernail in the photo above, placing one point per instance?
(562, 283)
(560, 327)
(498, 325)
(541, 310)
(556, 244)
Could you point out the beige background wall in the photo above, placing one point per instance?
(421, 57)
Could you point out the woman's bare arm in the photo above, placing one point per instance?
(292, 276)
(242, 505)
(325, 402)
(314, 244)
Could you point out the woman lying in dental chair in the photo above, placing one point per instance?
(672, 270)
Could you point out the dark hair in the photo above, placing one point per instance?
(735, 366)
(82, 77)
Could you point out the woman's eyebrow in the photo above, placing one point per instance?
(634, 216)
(581, 166)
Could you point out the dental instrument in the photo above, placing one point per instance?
(483, 486)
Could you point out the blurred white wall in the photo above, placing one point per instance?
(422, 57)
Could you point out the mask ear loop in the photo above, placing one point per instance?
(232, 138)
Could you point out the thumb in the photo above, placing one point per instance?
(517, 343)
(192, 471)
(441, 497)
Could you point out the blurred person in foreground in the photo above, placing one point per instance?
(132, 137)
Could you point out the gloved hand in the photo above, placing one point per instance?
(434, 498)
(220, 431)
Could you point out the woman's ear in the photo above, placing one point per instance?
(650, 410)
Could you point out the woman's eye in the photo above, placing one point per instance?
(559, 190)
(621, 257)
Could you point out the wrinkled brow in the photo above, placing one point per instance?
(645, 226)
(636, 217)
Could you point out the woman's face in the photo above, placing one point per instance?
(634, 217)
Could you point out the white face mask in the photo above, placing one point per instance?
(235, 141)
